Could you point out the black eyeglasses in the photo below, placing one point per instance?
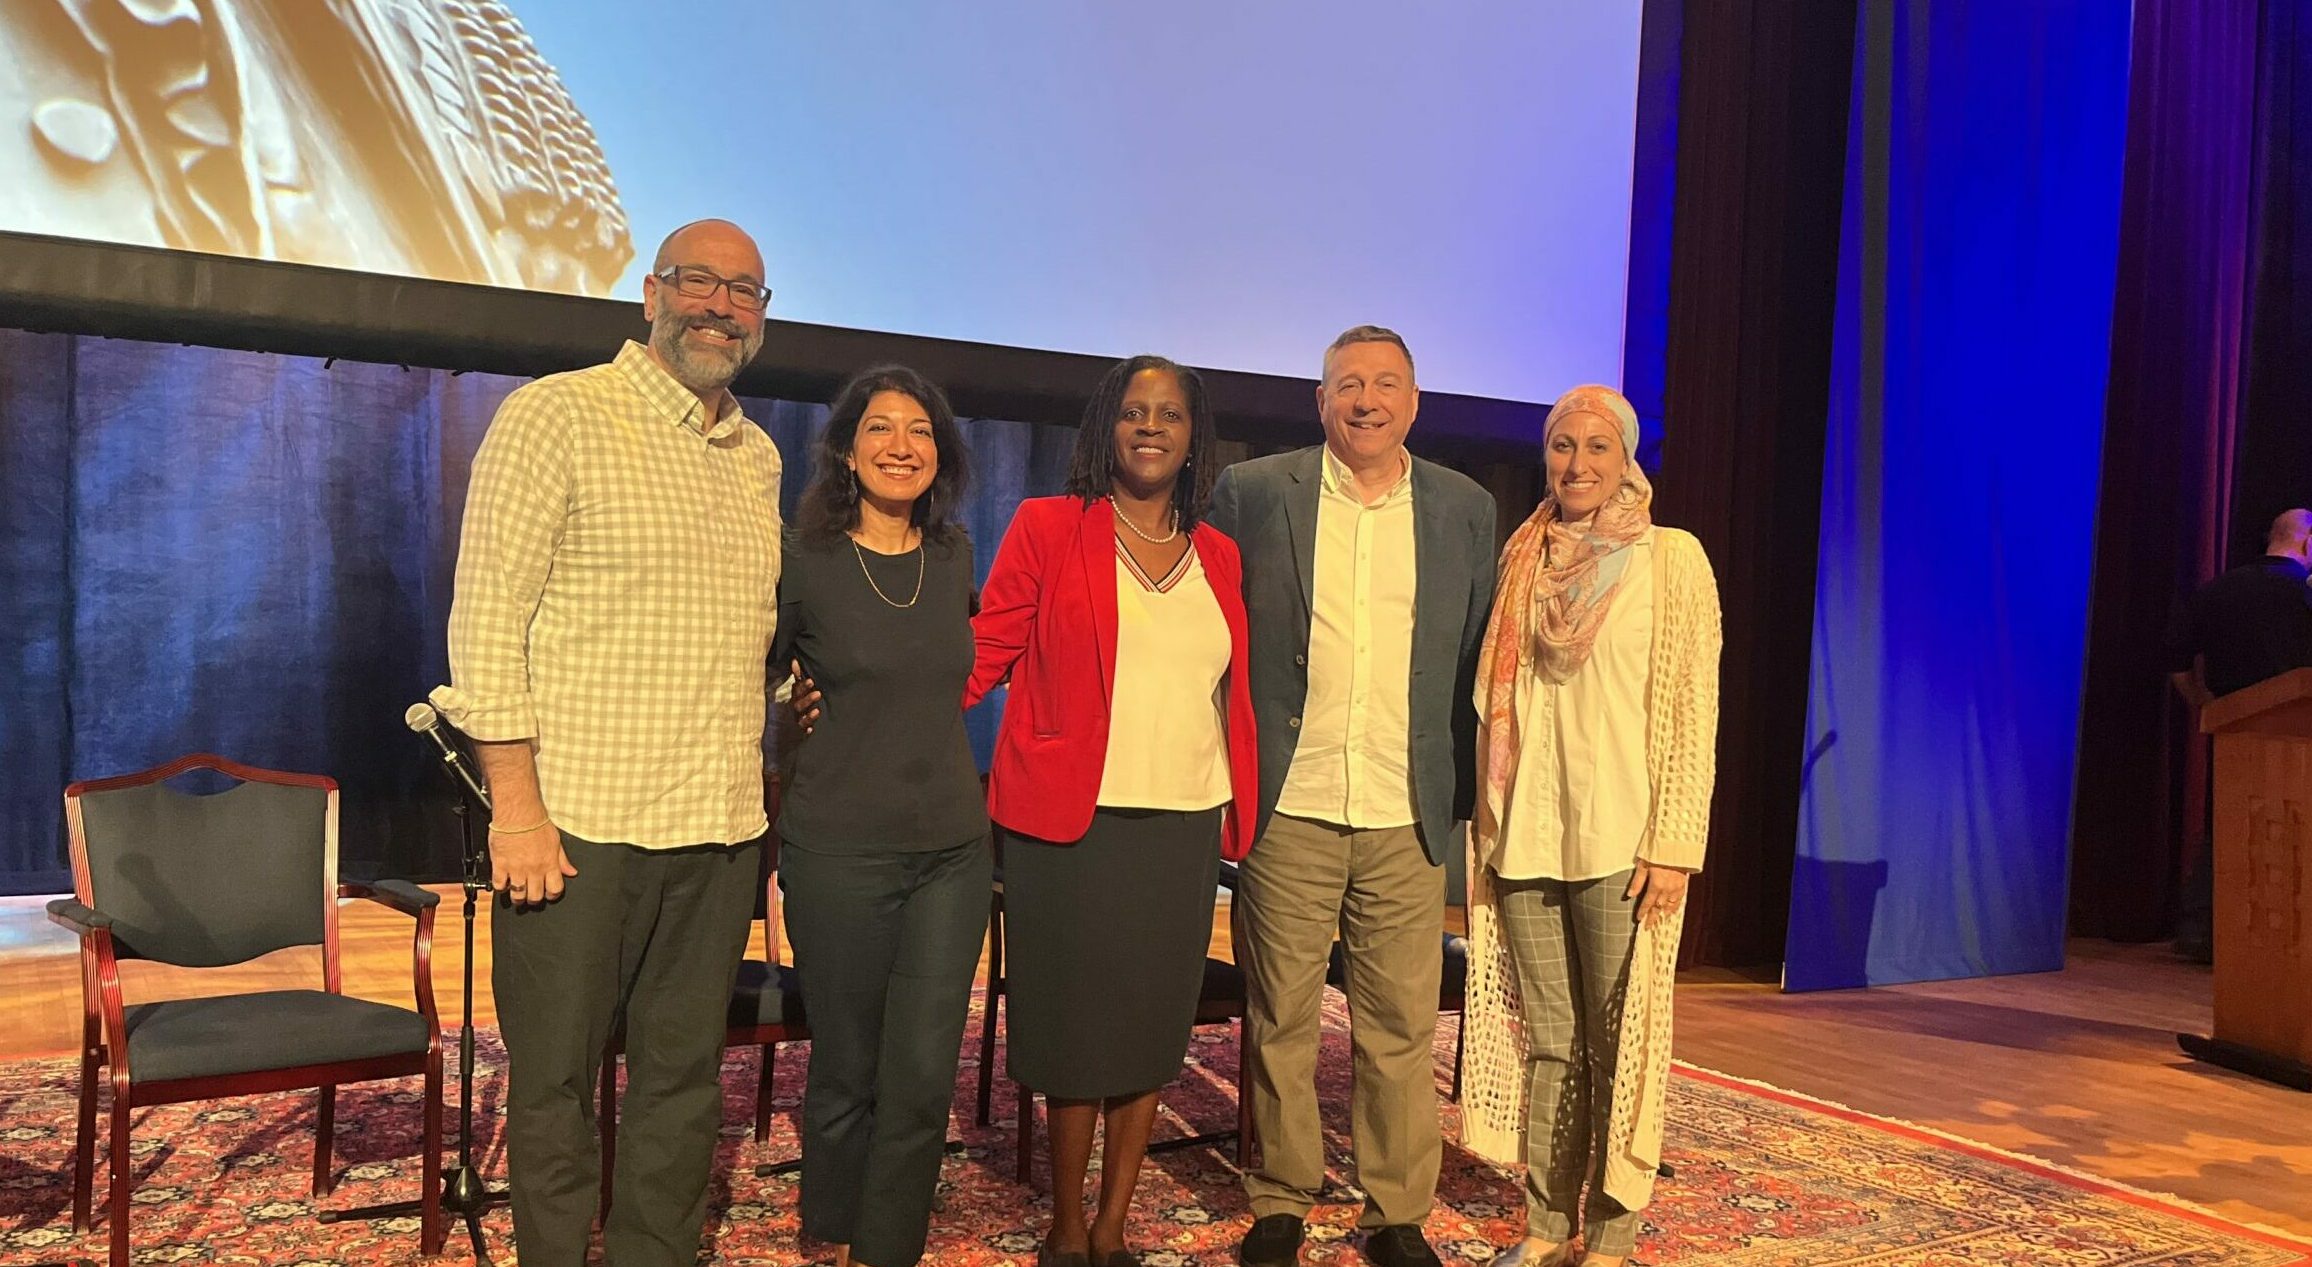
(699, 283)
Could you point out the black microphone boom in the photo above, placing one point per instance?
(464, 1193)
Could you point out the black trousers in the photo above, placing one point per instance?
(886, 944)
(655, 935)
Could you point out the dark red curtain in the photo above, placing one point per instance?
(1761, 152)
(2197, 170)
(2273, 470)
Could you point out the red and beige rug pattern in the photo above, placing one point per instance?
(1763, 1178)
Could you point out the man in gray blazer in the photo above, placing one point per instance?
(1368, 577)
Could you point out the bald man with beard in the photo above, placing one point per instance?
(616, 596)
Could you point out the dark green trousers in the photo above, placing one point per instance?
(653, 937)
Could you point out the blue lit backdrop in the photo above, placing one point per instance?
(1978, 257)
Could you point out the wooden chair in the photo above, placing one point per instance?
(210, 881)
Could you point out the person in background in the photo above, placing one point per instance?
(1597, 747)
(1124, 769)
(609, 638)
(2249, 624)
(884, 856)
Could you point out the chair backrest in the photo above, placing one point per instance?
(767, 885)
(205, 881)
(767, 896)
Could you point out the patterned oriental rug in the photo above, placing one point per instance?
(1763, 1177)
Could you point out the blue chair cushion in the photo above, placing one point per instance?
(757, 1000)
(253, 1033)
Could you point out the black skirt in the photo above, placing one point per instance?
(1104, 944)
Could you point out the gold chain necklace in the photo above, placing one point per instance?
(920, 556)
(1125, 520)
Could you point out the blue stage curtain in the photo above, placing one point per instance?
(1653, 221)
(252, 555)
(1977, 262)
(35, 608)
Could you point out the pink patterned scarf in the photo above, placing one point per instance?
(1557, 582)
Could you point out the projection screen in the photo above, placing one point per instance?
(1225, 183)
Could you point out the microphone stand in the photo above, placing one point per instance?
(464, 1193)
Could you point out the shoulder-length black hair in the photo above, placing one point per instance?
(1092, 471)
(830, 508)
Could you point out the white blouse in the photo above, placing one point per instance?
(1579, 804)
(1167, 748)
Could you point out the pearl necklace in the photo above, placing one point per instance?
(1166, 539)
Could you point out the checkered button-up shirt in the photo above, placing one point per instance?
(616, 596)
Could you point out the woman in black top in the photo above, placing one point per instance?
(884, 855)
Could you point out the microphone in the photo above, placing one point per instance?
(422, 718)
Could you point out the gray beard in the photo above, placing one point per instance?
(701, 372)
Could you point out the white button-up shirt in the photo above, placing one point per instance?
(1582, 797)
(1352, 764)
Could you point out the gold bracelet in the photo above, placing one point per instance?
(521, 831)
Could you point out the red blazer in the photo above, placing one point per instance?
(1047, 618)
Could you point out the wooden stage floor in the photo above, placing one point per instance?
(2077, 1067)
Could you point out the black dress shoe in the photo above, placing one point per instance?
(1400, 1245)
(1046, 1256)
(1274, 1241)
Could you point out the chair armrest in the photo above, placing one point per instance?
(1228, 875)
(418, 903)
(401, 895)
(100, 999)
(70, 913)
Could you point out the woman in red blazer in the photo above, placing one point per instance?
(1124, 769)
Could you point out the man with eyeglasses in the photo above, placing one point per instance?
(616, 596)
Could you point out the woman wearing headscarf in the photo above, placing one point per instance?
(1597, 695)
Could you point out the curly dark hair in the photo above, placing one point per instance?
(830, 508)
(1092, 470)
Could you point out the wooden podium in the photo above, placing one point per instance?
(2263, 847)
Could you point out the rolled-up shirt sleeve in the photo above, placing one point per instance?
(516, 506)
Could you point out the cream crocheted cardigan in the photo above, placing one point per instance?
(1682, 764)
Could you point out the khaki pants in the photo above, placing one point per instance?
(1303, 882)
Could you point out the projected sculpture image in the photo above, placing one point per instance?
(419, 137)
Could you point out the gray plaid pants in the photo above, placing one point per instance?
(1571, 944)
